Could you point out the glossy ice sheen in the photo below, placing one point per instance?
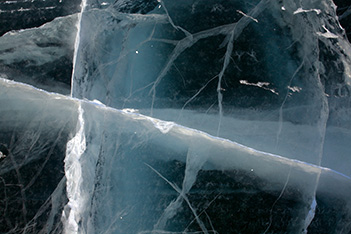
(184, 117)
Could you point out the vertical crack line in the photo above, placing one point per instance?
(322, 126)
(77, 44)
(280, 126)
(220, 76)
(234, 34)
(73, 170)
(276, 201)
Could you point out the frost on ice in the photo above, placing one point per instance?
(205, 117)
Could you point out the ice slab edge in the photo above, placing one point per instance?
(148, 146)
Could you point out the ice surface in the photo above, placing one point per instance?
(205, 117)
(256, 66)
(264, 76)
(133, 171)
(35, 127)
(23, 14)
(40, 56)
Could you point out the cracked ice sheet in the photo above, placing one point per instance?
(178, 64)
(34, 129)
(193, 208)
(40, 56)
(194, 67)
(129, 163)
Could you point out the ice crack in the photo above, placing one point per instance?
(75, 149)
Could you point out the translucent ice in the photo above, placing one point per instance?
(204, 116)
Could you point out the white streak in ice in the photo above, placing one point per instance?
(75, 149)
(76, 44)
(300, 10)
